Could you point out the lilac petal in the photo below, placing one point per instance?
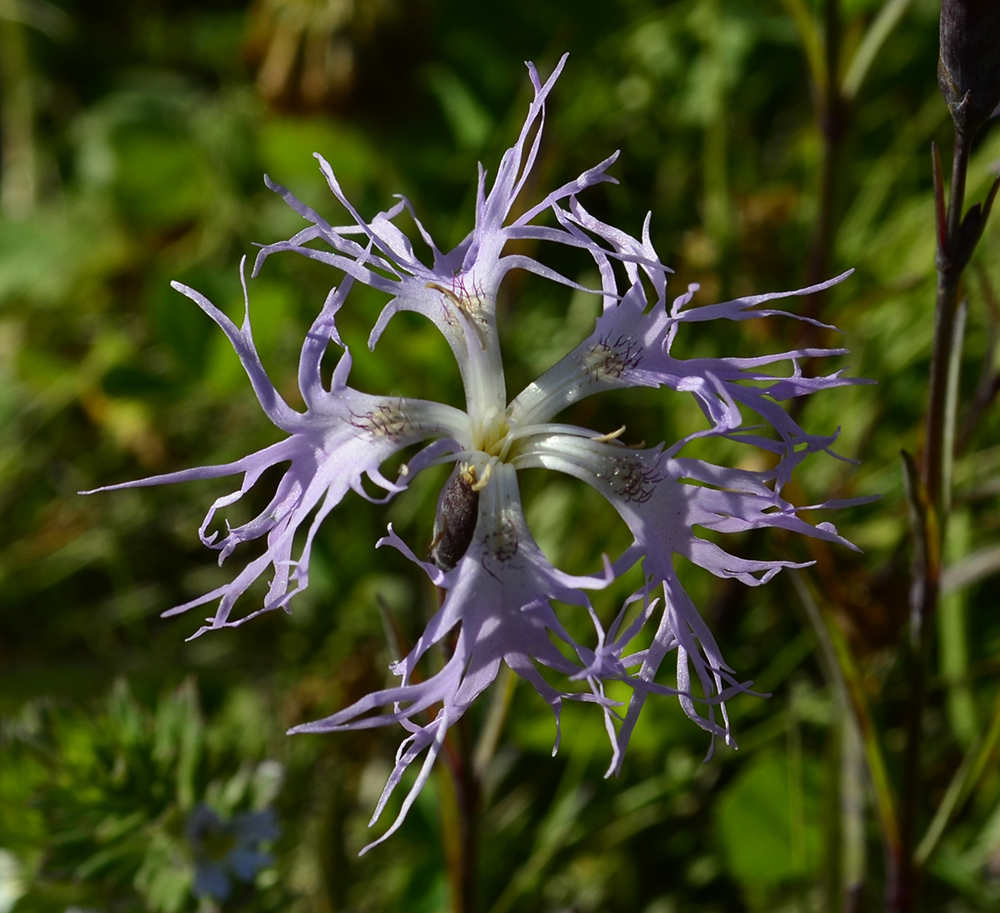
(458, 291)
(647, 489)
(589, 178)
(629, 251)
(747, 308)
(241, 338)
(661, 510)
(515, 166)
(611, 357)
(343, 437)
(630, 347)
(498, 604)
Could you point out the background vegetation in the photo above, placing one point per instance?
(134, 136)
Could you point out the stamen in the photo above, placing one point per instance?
(480, 484)
(611, 436)
(508, 439)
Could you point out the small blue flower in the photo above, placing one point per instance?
(224, 850)
(499, 588)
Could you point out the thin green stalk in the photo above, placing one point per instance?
(496, 716)
(715, 154)
(930, 498)
(833, 114)
(812, 44)
(875, 37)
(18, 185)
(963, 783)
(902, 876)
(459, 818)
(852, 814)
(459, 785)
(940, 434)
(953, 652)
(842, 671)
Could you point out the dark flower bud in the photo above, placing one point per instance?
(455, 524)
(969, 61)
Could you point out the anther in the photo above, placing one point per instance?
(611, 436)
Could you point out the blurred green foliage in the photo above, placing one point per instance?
(134, 136)
(104, 796)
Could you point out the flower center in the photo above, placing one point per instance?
(494, 435)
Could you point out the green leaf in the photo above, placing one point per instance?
(764, 841)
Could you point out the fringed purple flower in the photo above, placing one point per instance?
(499, 590)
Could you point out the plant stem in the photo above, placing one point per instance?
(842, 671)
(459, 783)
(937, 455)
(18, 186)
(936, 476)
(460, 806)
(852, 803)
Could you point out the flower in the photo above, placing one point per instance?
(498, 588)
(224, 850)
